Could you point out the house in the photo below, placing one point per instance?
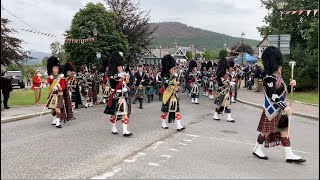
(262, 46)
(153, 56)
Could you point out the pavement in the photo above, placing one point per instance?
(85, 148)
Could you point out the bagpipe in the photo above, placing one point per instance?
(54, 99)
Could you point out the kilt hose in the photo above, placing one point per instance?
(270, 126)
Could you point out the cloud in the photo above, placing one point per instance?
(231, 17)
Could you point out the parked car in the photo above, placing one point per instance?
(16, 77)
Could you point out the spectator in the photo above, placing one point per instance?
(6, 87)
(239, 74)
(250, 78)
(28, 79)
(36, 86)
(246, 75)
(257, 74)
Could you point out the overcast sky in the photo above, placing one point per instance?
(231, 17)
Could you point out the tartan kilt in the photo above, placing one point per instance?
(270, 126)
(165, 107)
(218, 99)
(60, 103)
(90, 93)
(140, 92)
(149, 90)
(111, 110)
(74, 97)
(68, 105)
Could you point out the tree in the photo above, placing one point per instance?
(223, 53)
(236, 49)
(11, 50)
(206, 55)
(197, 56)
(189, 55)
(108, 38)
(304, 40)
(134, 24)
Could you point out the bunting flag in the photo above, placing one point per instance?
(38, 32)
(315, 11)
(80, 41)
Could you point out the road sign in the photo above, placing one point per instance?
(273, 40)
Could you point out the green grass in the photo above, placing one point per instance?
(25, 97)
(306, 97)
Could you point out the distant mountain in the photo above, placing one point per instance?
(38, 57)
(168, 32)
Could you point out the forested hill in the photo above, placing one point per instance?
(168, 32)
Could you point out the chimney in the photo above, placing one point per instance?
(192, 46)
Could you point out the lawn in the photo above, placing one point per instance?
(306, 97)
(25, 97)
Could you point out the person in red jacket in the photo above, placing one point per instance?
(36, 87)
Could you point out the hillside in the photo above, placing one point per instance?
(168, 32)
(38, 57)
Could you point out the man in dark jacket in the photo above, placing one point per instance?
(6, 87)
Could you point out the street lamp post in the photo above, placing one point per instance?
(280, 6)
(95, 34)
(160, 54)
(242, 38)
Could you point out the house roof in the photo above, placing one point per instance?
(263, 40)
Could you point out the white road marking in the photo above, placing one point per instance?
(153, 164)
(187, 140)
(167, 156)
(130, 160)
(99, 177)
(141, 153)
(183, 144)
(251, 144)
(174, 149)
(116, 169)
(108, 174)
(191, 135)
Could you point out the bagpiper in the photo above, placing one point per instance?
(212, 81)
(105, 84)
(58, 99)
(204, 79)
(273, 125)
(71, 81)
(222, 99)
(117, 105)
(170, 101)
(88, 85)
(195, 82)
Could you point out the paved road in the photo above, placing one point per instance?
(85, 148)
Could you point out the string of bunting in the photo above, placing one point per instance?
(81, 41)
(315, 11)
(38, 32)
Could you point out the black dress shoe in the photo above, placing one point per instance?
(141, 107)
(298, 161)
(127, 135)
(217, 119)
(7, 107)
(183, 128)
(59, 126)
(114, 132)
(231, 121)
(260, 157)
(165, 127)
